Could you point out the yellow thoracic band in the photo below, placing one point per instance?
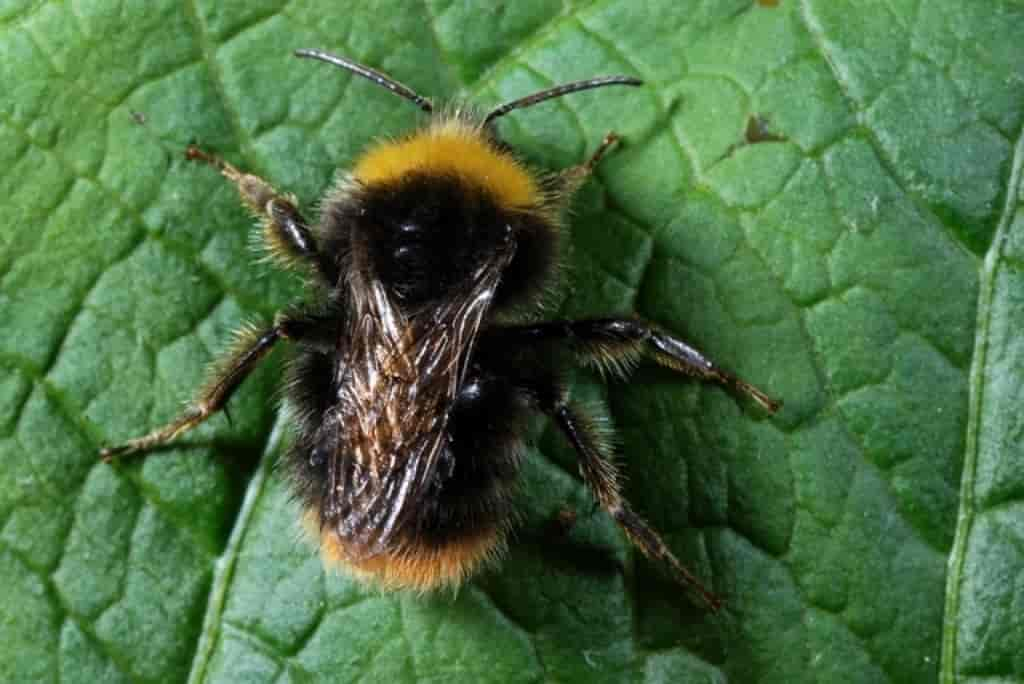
(451, 147)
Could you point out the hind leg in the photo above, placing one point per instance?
(591, 441)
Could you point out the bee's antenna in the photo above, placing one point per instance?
(372, 74)
(559, 91)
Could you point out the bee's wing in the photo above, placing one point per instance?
(395, 394)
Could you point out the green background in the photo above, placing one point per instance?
(864, 261)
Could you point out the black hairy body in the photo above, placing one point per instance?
(422, 354)
(422, 239)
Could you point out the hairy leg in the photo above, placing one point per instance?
(601, 476)
(563, 185)
(285, 232)
(251, 346)
(616, 344)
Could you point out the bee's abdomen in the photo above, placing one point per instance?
(463, 519)
(416, 565)
(480, 466)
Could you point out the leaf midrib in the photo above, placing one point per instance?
(225, 568)
(976, 387)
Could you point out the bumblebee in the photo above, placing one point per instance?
(421, 355)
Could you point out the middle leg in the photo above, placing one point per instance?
(616, 344)
(251, 347)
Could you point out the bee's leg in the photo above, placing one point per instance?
(285, 232)
(586, 168)
(601, 476)
(251, 346)
(561, 186)
(615, 345)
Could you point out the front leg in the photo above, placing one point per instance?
(285, 232)
(561, 186)
(616, 345)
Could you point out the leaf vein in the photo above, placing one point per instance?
(207, 640)
(967, 512)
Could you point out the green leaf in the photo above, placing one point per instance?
(825, 195)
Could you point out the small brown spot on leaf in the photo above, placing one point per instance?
(758, 131)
